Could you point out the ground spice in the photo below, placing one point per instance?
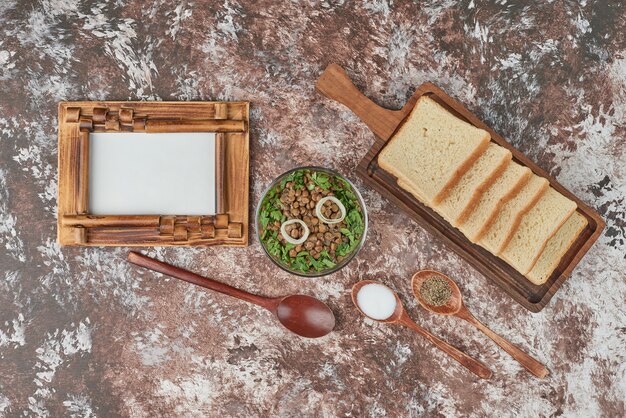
(436, 291)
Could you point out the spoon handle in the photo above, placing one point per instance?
(182, 274)
(524, 359)
(473, 365)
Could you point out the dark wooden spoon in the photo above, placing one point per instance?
(300, 314)
(456, 307)
(400, 317)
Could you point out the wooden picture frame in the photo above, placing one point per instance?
(230, 122)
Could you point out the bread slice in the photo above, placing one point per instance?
(463, 196)
(536, 228)
(432, 149)
(503, 189)
(556, 248)
(498, 235)
(406, 186)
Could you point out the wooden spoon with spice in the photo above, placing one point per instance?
(384, 305)
(440, 294)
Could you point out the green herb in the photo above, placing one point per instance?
(347, 233)
(343, 249)
(317, 265)
(264, 219)
(354, 220)
(321, 180)
(284, 253)
(328, 263)
(297, 177)
(277, 215)
(273, 245)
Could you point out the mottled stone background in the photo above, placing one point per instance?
(82, 333)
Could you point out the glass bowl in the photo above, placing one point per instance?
(348, 257)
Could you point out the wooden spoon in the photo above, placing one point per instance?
(300, 314)
(400, 317)
(456, 307)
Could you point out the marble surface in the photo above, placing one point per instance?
(82, 333)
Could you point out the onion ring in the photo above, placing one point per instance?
(288, 238)
(322, 218)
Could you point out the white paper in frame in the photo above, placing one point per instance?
(152, 174)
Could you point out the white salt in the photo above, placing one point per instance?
(376, 301)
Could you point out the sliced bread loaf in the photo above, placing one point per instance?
(491, 200)
(536, 228)
(406, 186)
(507, 220)
(556, 248)
(463, 196)
(432, 149)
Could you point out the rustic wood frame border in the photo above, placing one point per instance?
(230, 120)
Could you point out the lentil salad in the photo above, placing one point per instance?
(311, 221)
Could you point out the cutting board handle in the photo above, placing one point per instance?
(335, 84)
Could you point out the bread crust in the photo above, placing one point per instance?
(543, 244)
(508, 196)
(581, 225)
(520, 215)
(480, 189)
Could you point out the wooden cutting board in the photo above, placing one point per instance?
(335, 84)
